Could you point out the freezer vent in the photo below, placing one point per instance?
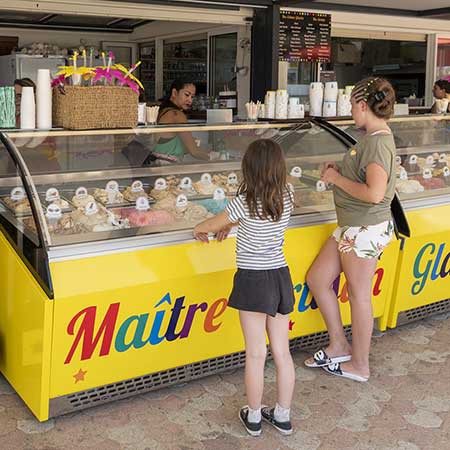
(423, 312)
(177, 375)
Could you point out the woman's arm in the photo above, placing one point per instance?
(372, 191)
(220, 223)
(178, 117)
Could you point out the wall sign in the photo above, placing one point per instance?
(305, 37)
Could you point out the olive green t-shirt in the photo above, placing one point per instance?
(350, 211)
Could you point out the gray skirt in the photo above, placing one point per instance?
(265, 291)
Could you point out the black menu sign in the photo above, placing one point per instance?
(305, 36)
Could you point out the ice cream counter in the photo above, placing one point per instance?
(106, 294)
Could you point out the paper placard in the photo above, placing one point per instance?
(429, 161)
(232, 179)
(161, 184)
(91, 208)
(296, 172)
(398, 160)
(137, 186)
(446, 171)
(403, 174)
(219, 194)
(427, 174)
(112, 186)
(53, 212)
(186, 183)
(321, 186)
(181, 201)
(18, 193)
(142, 204)
(51, 195)
(81, 192)
(206, 179)
(442, 158)
(413, 159)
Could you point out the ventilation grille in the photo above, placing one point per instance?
(139, 385)
(423, 312)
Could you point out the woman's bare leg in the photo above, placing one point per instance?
(359, 273)
(321, 275)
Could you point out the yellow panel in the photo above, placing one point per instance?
(122, 316)
(424, 263)
(25, 332)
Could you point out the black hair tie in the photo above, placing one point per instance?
(379, 96)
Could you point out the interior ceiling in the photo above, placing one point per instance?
(68, 22)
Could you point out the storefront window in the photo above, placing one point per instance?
(443, 58)
(403, 63)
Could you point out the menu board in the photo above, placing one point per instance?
(305, 37)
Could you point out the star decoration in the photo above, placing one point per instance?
(291, 325)
(79, 376)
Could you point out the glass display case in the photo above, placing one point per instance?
(423, 157)
(74, 191)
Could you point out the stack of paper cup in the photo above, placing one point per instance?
(315, 99)
(331, 91)
(344, 106)
(141, 112)
(281, 107)
(329, 109)
(295, 109)
(269, 103)
(44, 99)
(261, 111)
(27, 109)
(151, 114)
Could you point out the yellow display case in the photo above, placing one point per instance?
(101, 302)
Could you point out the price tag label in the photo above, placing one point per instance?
(403, 174)
(186, 183)
(232, 179)
(446, 171)
(53, 212)
(91, 209)
(413, 159)
(219, 194)
(398, 160)
(427, 174)
(296, 172)
(112, 186)
(443, 158)
(137, 186)
(206, 179)
(81, 192)
(321, 186)
(429, 161)
(51, 195)
(161, 184)
(181, 201)
(142, 204)
(18, 193)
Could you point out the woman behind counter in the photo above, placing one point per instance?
(441, 91)
(172, 111)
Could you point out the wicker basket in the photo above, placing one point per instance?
(94, 107)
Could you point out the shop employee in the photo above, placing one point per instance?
(172, 111)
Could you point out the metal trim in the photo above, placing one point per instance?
(424, 311)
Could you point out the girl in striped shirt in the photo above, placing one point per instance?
(262, 287)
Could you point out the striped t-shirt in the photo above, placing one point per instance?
(260, 242)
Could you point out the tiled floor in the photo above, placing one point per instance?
(405, 406)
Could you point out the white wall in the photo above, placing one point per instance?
(62, 38)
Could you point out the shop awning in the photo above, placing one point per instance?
(119, 16)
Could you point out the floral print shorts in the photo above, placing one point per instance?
(366, 241)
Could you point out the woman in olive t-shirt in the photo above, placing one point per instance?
(364, 185)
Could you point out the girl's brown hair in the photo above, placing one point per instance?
(264, 179)
(379, 95)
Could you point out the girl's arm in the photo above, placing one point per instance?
(372, 191)
(217, 224)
